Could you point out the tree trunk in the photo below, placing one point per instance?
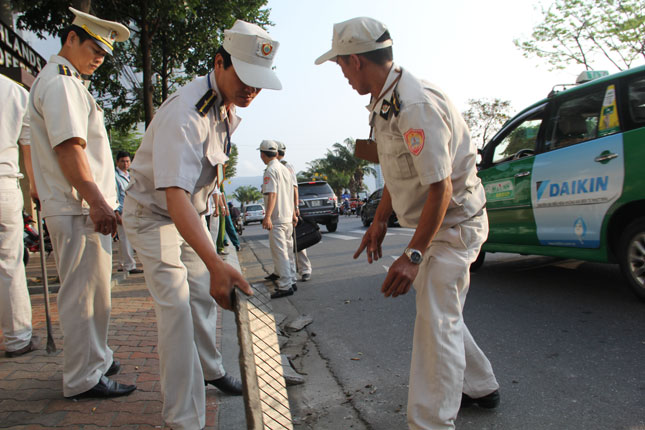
(146, 43)
(164, 69)
(82, 5)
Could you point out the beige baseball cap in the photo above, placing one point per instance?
(268, 145)
(355, 36)
(281, 146)
(252, 51)
(104, 32)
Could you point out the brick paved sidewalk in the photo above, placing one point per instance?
(31, 386)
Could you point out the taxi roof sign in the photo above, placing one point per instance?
(590, 75)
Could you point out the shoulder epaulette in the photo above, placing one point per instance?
(206, 102)
(64, 70)
(396, 103)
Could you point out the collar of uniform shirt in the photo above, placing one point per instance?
(389, 85)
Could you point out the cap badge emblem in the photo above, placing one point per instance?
(266, 49)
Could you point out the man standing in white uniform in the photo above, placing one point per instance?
(278, 191)
(428, 163)
(304, 265)
(173, 175)
(74, 174)
(122, 174)
(15, 306)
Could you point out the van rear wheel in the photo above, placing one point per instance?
(632, 256)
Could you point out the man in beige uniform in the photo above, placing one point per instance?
(15, 307)
(74, 175)
(172, 176)
(278, 191)
(431, 182)
(304, 265)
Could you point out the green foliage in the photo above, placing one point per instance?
(231, 165)
(124, 141)
(580, 31)
(485, 117)
(247, 194)
(340, 169)
(170, 43)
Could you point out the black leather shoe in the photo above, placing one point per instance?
(294, 287)
(114, 368)
(227, 384)
(490, 401)
(272, 277)
(106, 388)
(282, 293)
(31, 346)
(135, 271)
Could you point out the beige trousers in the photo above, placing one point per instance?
(84, 263)
(15, 306)
(446, 361)
(281, 245)
(126, 255)
(186, 314)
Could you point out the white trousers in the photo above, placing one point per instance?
(126, 255)
(84, 263)
(15, 306)
(186, 314)
(446, 361)
(281, 245)
(214, 228)
(304, 265)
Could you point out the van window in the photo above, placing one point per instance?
(636, 97)
(577, 120)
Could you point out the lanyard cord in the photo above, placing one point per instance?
(227, 145)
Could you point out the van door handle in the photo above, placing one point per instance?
(605, 157)
(522, 174)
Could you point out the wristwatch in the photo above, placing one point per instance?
(414, 255)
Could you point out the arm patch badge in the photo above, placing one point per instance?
(415, 139)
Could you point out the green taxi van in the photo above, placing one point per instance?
(566, 176)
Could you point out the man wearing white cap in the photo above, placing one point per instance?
(74, 174)
(304, 265)
(173, 175)
(280, 217)
(428, 163)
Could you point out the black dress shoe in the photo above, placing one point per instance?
(106, 388)
(490, 401)
(294, 287)
(114, 368)
(282, 293)
(31, 346)
(227, 384)
(272, 277)
(135, 271)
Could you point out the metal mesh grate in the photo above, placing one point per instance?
(265, 393)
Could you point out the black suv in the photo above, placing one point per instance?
(369, 209)
(318, 203)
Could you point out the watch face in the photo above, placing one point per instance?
(415, 257)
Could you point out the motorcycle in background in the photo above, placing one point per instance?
(31, 239)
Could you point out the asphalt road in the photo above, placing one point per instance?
(565, 338)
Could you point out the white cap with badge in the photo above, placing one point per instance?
(355, 36)
(269, 145)
(252, 51)
(102, 31)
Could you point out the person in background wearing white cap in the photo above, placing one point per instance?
(15, 306)
(74, 174)
(278, 189)
(428, 162)
(304, 265)
(177, 167)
